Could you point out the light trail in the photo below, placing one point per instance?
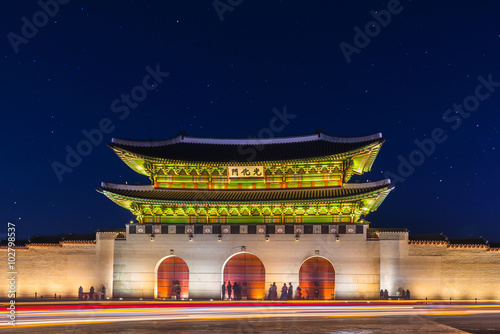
(33, 315)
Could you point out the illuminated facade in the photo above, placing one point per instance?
(216, 193)
(256, 211)
(299, 180)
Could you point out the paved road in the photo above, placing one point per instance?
(255, 318)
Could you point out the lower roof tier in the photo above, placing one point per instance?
(148, 192)
(351, 199)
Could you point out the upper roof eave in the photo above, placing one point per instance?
(232, 141)
(120, 150)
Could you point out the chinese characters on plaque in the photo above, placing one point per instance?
(245, 171)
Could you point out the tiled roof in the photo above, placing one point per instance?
(452, 242)
(18, 242)
(183, 148)
(78, 237)
(45, 239)
(51, 239)
(117, 230)
(428, 237)
(467, 241)
(250, 195)
(494, 244)
(393, 230)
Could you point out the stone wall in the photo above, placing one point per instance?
(355, 261)
(419, 273)
(128, 268)
(438, 270)
(464, 272)
(60, 269)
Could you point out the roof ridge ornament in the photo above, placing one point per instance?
(182, 134)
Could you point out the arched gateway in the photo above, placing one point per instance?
(317, 278)
(249, 272)
(173, 269)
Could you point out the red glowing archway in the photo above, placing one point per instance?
(248, 270)
(317, 278)
(171, 270)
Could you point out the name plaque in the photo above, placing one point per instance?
(256, 172)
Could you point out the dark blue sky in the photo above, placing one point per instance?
(225, 79)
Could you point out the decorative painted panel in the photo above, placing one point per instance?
(280, 229)
(299, 229)
(189, 229)
(334, 229)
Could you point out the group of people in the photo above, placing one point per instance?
(384, 294)
(91, 294)
(286, 292)
(232, 291)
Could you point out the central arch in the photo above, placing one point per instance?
(248, 271)
(317, 278)
(172, 270)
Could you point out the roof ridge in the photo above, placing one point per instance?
(250, 141)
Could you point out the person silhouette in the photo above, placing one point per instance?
(316, 290)
(290, 291)
(275, 292)
(177, 289)
(236, 291)
(229, 290)
(284, 292)
(299, 293)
